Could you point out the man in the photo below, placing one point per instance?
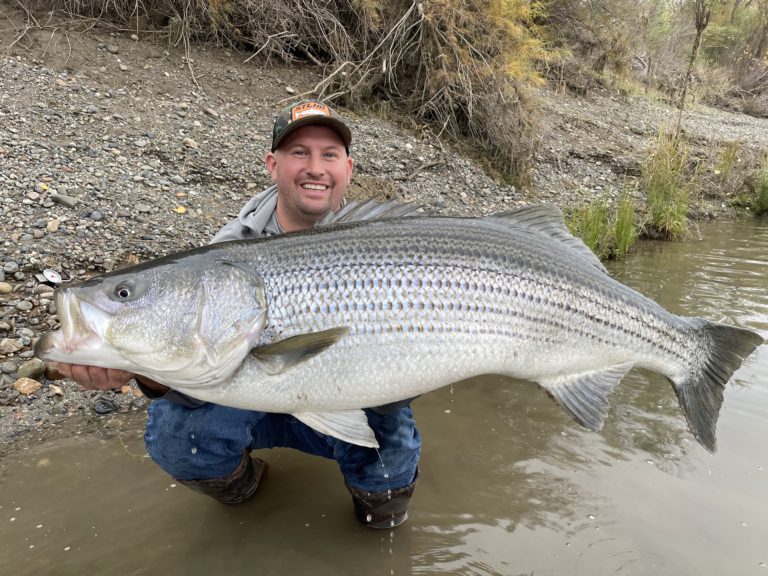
(206, 446)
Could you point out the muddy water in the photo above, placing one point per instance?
(509, 484)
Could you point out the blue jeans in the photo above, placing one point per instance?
(208, 442)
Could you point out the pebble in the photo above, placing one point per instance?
(123, 68)
(11, 267)
(53, 225)
(134, 37)
(189, 143)
(32, 369)
(8, 367)
(64, 200)
(24, 306)
(96, 215)
(143, 208)
(5, 288)
(10, 345)
(211, 112)
(105, 406)
(27, 386)
(112, 49)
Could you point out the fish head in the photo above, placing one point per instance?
(178, 323)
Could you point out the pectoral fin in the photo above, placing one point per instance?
(284, 354)
(585, 396)
(347, 425)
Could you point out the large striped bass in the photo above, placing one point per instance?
(363, 312)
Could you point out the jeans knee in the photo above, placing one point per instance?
(196, 443)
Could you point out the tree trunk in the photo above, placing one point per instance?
(702, 20)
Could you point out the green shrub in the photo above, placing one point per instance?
(760, 204)
(609, 235)
(625, 229)
(591, 224)
(665, 182)
(727, 159)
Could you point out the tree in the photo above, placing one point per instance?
(701, 20)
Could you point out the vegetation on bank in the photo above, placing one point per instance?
(608, 233)
(666, 182)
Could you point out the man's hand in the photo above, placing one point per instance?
(96, 378)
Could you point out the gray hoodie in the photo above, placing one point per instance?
(257, 218)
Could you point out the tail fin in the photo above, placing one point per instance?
(701, 392)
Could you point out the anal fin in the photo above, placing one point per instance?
(347, 425)
(585, 396)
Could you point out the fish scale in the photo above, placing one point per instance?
(358, 314)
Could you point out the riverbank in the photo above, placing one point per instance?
(115, 149)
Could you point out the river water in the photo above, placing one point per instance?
(509, 484)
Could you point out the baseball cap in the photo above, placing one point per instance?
(306, 113)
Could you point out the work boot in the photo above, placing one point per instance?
(235, 488)
(382, 510)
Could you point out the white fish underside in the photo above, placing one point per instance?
(364, 370)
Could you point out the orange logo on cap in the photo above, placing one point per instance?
(309, 109)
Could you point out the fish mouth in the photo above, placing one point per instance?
(78, 332)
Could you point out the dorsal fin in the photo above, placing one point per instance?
(356, 211)
(548, 219)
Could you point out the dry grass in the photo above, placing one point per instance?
(452, 66)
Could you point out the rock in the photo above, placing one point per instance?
(112, 49)
(11, 267)
(211, 112)
(189, 143)
(27, 386)
(64, 200)
(176, 179)
(134, 37)
(32, 369)
(56, 390)
(105, 406)
(123, 68)
(24, 306)
(8, 367)
(53, 225)
(51, 372)
(143, 208)
(5, 288)
(290, 90)
(9, 346)
(96, 215)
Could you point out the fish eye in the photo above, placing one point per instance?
(123, 292)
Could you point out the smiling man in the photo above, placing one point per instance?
(206, 446)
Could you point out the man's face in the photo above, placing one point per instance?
(312, 171)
